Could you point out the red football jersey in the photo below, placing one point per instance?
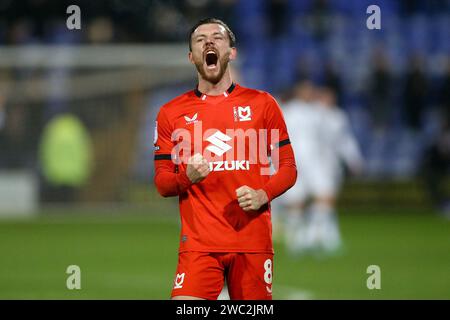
(236, 132)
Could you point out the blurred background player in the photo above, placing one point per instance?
(340, 153)
(302, 120)
(323, 141)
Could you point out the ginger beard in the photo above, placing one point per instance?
(212, 66)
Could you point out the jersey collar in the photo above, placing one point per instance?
(203, 96)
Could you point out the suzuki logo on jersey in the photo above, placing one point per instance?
(242, 113)
(179, 281)
(229, 165)
(191, 120)
(218, 145)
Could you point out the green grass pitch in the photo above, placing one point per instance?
(133, 256)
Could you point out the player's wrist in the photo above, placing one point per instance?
(189, 175)
(262, 196)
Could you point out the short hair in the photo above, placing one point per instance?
(231, 35)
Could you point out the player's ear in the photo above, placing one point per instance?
(233, 53)
(191, 59)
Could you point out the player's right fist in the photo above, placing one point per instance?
(197, 168)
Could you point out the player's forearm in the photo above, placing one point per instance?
(169, 183)
(280, 182)
(286, 175)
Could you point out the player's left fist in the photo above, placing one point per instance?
(251, 199)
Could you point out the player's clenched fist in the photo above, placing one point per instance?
(197, 168)
(251, 199)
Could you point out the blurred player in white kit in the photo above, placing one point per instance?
(322, 139)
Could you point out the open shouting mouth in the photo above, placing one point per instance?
(211, 59)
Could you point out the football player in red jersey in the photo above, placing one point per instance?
(212, 150)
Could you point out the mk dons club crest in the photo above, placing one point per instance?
(242, 113)
(179, 281)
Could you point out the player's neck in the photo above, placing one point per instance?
(212, 89)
